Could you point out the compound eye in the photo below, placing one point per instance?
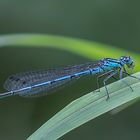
(128, 58)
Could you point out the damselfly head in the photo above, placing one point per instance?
(128, 61)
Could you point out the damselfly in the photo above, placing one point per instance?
(42, 82)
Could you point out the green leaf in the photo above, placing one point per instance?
(88, 49)
(88, 107)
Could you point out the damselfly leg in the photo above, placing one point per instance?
(111, 74)
(99, 77)
(121, 78)
(105, 80)
(126, 73)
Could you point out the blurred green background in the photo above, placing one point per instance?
(115, 22)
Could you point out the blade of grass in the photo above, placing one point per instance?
(86, 108)
(88, 49)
